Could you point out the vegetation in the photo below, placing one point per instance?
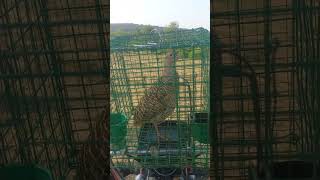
(172, 27)
(135, 29)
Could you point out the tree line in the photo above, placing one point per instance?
(145, 29)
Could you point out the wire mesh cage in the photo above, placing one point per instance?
(137, 64)
(280, 41)
(53, 80)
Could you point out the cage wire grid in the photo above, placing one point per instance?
(53, 80)
(47, 48)
(137, 62)
(287, 86)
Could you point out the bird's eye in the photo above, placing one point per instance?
(170, 54)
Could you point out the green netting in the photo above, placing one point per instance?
(53, 81)
(136, 64)
(286, 73)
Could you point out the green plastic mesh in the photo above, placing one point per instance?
(287, 84)
(136, 64)
(53, 80)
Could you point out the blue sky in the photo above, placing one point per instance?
(189, 13)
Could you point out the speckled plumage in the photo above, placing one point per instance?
(157, 104)
(159, 101)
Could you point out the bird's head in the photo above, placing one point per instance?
(170, 65)
(171, 57)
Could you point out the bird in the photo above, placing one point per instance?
(94, 155)
(159, 101)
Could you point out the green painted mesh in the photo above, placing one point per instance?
(137, 62)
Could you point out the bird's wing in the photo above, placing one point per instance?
(155, 101)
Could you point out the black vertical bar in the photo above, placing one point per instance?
(215, 102)
(267, 55)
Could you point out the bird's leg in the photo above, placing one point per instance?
(158, 133)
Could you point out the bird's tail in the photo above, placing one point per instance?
(137, 126)
(135, 118)
(137, 123)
